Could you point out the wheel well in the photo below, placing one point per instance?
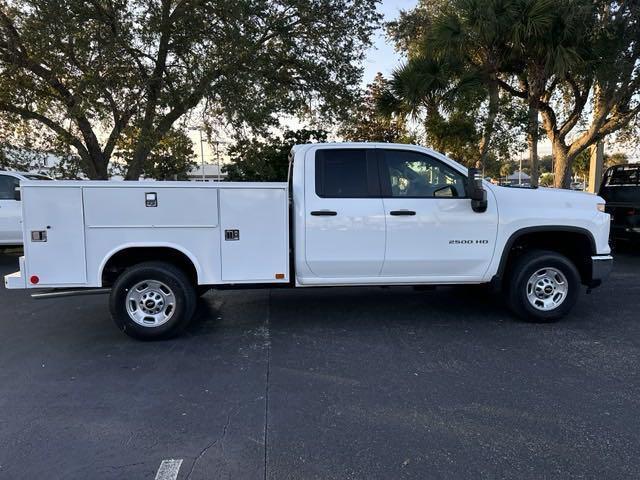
(128, 257)
(577, 246)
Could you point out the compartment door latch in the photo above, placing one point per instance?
(150, 199)
(38, 235)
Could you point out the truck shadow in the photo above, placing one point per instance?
(348, 308)
(394, 305)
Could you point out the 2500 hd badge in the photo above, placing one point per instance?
(468, 242)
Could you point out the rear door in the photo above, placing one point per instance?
(10, 211)
(344, 215)
(57, 256)
(432, 232)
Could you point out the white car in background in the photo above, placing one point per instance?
(11, 206)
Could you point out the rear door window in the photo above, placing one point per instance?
(346, 173)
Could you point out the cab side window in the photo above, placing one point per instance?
(415, 175)
(8, 187)
(346, 173)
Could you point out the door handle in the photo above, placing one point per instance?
(398, 213)
(324, 213)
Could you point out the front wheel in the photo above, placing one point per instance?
(543, 286)
(152, 300)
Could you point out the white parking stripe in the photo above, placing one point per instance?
(169, 469)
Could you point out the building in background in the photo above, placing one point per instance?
(206, 173)
(519, 178)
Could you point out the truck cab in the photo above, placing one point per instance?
(387, 214)
(11, 206)
(351, 214)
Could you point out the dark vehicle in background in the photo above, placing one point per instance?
(621, 189)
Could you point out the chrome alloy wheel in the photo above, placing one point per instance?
(150, 303)
(547, 289)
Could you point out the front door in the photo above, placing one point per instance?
(344, 215)
(10, 212)
(432, 232)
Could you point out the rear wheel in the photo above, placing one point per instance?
(543, 286)
(152, 300)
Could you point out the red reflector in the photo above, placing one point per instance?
(34, 279)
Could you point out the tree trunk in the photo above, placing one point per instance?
(95, 166)
(532, 140)
(489, 124)
(140, 154)
(562, 161)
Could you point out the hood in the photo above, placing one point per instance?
(551, 197)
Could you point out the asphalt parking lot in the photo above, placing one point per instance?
(332, 383)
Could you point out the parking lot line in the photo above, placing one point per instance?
(169, 469)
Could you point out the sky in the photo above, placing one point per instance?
(382, 57)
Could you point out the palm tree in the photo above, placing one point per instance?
(450, 73)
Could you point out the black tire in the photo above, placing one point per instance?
(517, 289)
(183, 300)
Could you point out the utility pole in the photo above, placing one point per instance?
(520, 171)
(199, 130)
(218, 160)
(202, 155)
(596, 164)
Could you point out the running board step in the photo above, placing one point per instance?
(58, 293)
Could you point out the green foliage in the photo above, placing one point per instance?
(68, 167)
(583, 160)
(576, 62)
(547, 179)
(267, 159)
(507, 168)
(89, 70)
(618, 158)
(581, 164)
(171, 159)
(367, 124)
(546, 164)
(18, 158)
(450, 79)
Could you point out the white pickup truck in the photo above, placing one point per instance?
(10, 206)
(351, 214)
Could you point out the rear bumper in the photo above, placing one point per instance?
(601, 266)
(16, 281)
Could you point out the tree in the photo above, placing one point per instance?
(267, 159)
(577, 62)
(618, 158)
(451, 74)
(28, 149)
(102, 66)
(367, 124)
(172, 158)
(590, 51)
(582, 162)
(546, 179)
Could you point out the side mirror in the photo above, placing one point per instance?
(17, 195)
(476, 192)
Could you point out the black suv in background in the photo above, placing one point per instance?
(621, 189)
